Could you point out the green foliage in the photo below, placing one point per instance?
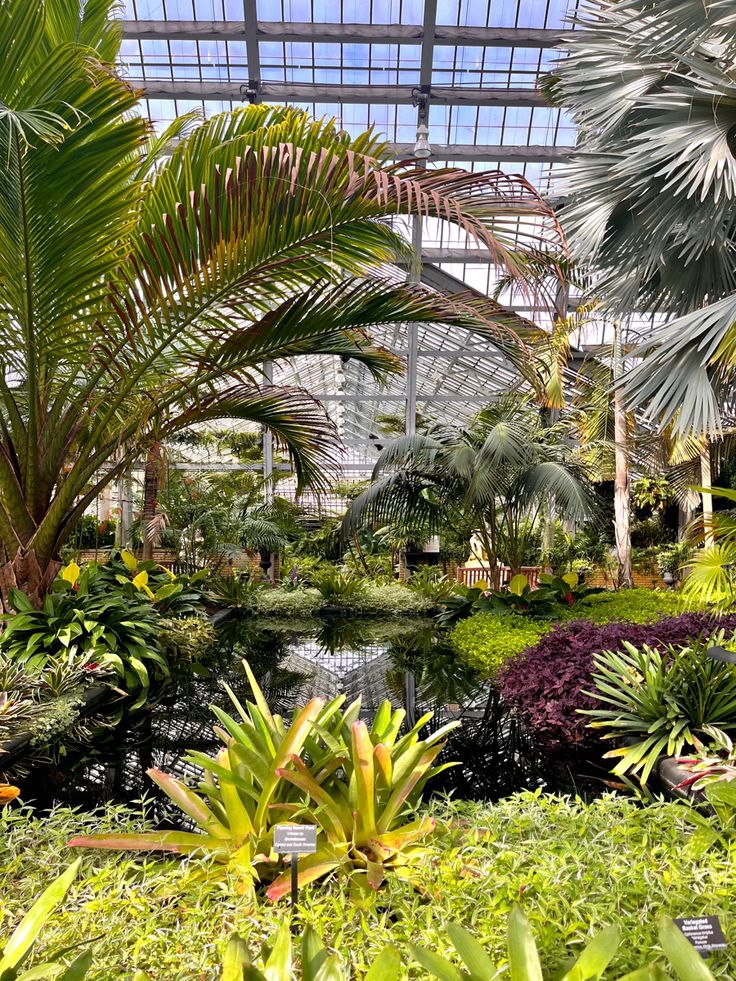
(186, 639)
(119, 632)
(524, 963)
(370, 599)
(275, 961)
(286, 602)
(389, 599)
(46, 702)
(358, 786)
(19, 946)
(625, 864)
(653, 493)
(236, 591)
(487, 641)
(336, 587)
(631, 606)
(170, 594)
(497, 475)
(431, 583)
(660, 702)
(674, 558)
(91, 532)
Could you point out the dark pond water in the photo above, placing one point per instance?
(402, 660)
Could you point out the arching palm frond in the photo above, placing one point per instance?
(144, 280)
(496, 476)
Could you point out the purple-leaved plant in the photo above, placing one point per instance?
(545, 683)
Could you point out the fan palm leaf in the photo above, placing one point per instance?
(652, 190)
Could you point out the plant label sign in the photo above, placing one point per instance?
(704, 932)
(295, 839)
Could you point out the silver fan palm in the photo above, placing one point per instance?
(651, 87)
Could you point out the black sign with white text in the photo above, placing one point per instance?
(295, 839)
(703, 932)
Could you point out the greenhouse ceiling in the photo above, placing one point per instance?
(369, 63)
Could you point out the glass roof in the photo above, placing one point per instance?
(358, 60)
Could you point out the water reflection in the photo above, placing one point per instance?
(406, 661)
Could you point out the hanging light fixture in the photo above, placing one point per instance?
(422, 147)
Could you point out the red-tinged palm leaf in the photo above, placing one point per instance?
(180, 842)
(191, 803)
(365, 779)
(324, 861)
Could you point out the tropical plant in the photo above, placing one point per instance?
(713, 763)
(171, 595)
(658, 702)
(568, 590)
(431, 582)
(361, 783)
(497, 475)
(236, 591)
(362, 786)
(19, 946)
(524, 963)
(336, 587)
(548, 683)
(109, 629)
(275, 961)
(652, 88)
(711, 570)
(674, 558)
(147, 279)
(186, 639)
(241, 795)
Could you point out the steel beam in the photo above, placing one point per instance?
(224, 30)
(471, 256)
(252, 51)
(489, 152)
(351, 94)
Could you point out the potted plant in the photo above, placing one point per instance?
(670, 560)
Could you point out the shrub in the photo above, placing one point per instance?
(286, 602)
(630, 605)
(371, 599)
(187, 639)
(389, 598)
(487, 641)
(546, 683)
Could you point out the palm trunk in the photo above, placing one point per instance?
(706, 482)
(150, 497)
(33, 576)
(622, 519)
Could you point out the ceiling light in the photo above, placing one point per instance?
(422, 148)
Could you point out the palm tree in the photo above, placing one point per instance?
(652, 190)
(497, 476)
(144, 281)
